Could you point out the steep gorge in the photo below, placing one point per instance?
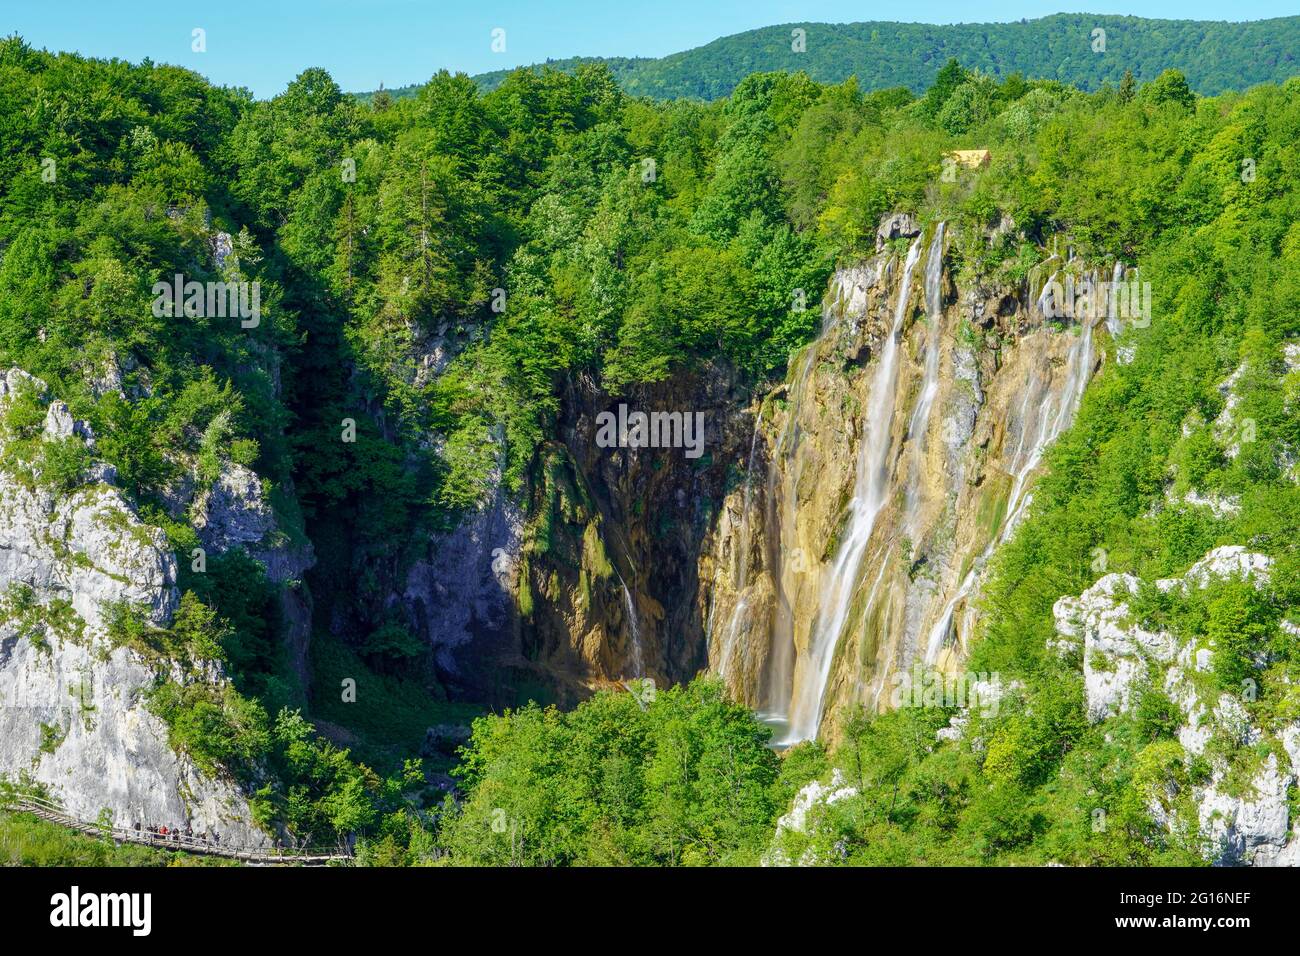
(861, 502)
(291, 555)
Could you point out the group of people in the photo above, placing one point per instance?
(164, 832)
(175, 834)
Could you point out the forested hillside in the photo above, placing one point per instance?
(1214, 56)
(441, 269)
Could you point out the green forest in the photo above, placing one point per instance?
(1214, 56)
(637, 233)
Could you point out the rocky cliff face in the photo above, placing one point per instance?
(1225, 778)
(620, 529)
(1240, 822)
(459, 595)
(73, 712)
(231, 512)
(899, 454)
(591, 578)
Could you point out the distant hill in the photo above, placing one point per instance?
(1215, 56)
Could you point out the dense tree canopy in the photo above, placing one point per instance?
(1215, 56)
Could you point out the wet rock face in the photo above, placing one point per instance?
(460, 594)
(587, 577)
(615, 562)
(1249, 824)
(983, 384)
(610, 562)
(73, 712)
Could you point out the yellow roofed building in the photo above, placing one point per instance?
(971, 158)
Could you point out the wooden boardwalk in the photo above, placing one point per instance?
(52, 812)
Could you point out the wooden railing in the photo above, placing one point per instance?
(50, 811)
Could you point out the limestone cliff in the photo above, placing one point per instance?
(1239, 822)
(74, 713)
(834, 530)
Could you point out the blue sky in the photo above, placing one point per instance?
(265, 44)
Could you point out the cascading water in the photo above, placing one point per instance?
(781, 507)
(1113, 324)
(799, 630)
(1052, 418)
(638, 652)
(871, 484)
(934, 316)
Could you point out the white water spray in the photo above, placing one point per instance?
(872, 482)
(638, 652)
(1052, 419)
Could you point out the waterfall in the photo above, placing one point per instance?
(779, 517)
(1113, 324)
(638, 652)
(821, 597)
(1051, 424)
(870, 487)
(930, 383)
(1053, 417)
(742, 572)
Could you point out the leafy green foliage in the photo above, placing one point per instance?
(216, 728)
(685, 779)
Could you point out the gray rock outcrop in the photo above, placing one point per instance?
(1238, 824)
(73, 705)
